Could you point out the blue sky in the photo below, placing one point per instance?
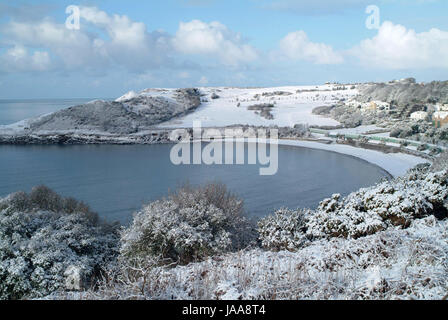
(134, 44)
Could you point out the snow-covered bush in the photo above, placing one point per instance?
(284, 230)
(391, 203)
(404, 132)
(189, 225)
(422, 147)
(394, 203)
(391, 264)
(384, 242)
(44, 199)
(40, 242)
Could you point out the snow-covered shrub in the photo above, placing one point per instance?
(422, 147)
(39, 242)
(189, 225)
(128, 278)
(384, 242)
(404, 132)
(45, 199)
(391, 203)
(392, 264)
(395, 133)
(284, 230)
(367, 211)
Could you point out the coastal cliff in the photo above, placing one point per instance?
(126, 115)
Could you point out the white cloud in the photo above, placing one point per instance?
(17, 58)
(395, 47)
(213, 39)
(120, 29)
(41, 60)
(72, 47)
(128, 44)
(17, 53)
(110, 40)
(297, 46)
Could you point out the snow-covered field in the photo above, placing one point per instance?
(294, 107)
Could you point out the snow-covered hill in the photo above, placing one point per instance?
(129, 114)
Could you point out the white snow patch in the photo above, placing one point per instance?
(127, 96)
(295, 108)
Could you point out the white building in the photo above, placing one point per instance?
(442, 107)
(419, 115)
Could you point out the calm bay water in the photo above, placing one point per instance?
(117, 180)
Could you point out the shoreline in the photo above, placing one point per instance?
(395, 164)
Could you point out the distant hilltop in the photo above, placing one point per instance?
(128, 114)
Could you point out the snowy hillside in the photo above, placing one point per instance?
(129, 114)
(290, 105)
